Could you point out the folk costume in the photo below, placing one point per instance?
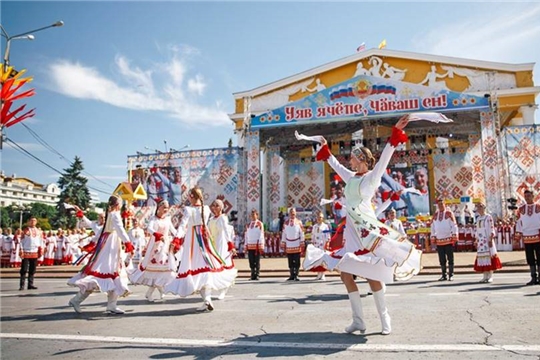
(528, 230)
(487, 259)
(202, 269)
(293, 242)
(444, 233)
(31, 250)
(103, 272)
(158, 266)
(320, 235)
(223, 236)
(254, 245)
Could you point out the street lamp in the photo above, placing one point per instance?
(21, 209)
(25, 35)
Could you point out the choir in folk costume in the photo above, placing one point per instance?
(223, 236)
(104, 270)
(15, 259)
(320, 235)
(371, 249)
(61, 243)
(30, 250)
(6, 246)
(293, 242)
(254, 244)
(528, 231)
(50, 247)
(202, 269)
(487, 260)
(158, 266)
(138, 239)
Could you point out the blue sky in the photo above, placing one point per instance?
(122, 76)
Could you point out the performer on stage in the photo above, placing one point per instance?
(103, 271)
(254, 244)
(223, 236)
(293, 241)
(202, 270)
(487, 259)
(528, 230)
(371, 249)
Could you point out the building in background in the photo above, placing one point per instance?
(23, 191)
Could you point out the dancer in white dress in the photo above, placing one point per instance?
(487, 260)
(104, 269)
(223, 235)
(320, 235)
(158, 267)
(202, 269)
(371, 249)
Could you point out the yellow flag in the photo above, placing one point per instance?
(382, 45)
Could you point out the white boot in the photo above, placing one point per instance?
(207, 301)
(160, 290)
(149, 293)
(111, 303)
(75, 302)
(489, 276)
(319, 276)
(221, 294)
(323, 278)
(357, 314)
(380, 303)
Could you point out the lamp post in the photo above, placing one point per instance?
(21, 209)
(25, 35)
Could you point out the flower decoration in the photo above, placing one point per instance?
(8, 95)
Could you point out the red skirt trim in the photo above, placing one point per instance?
(202, 270)
(495, 265)
(101, 275)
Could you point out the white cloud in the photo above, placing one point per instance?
(197, 85)
(163, 89)
(499, 35)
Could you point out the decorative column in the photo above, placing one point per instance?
(274, 183)
(253, 172)
(494, 176)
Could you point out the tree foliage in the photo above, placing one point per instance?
(74, 190)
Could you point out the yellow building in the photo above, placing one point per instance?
(484, 153)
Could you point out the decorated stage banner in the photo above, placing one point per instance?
(523, 155)
(169, 176)
(367, 96)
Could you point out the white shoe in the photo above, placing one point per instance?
(323, 278)
(356, 326)
(209, 305)
(221, 295)
(160, 291)
(203, 307)
(115, 310)
(75, 305)
(149, 293)
(490, 280)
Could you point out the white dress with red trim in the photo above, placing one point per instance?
(50, 245)
(201, 265)
(7, 244)
(15, 252)
(486, 255)
(223, 236)
(158, 267)
(371, 249)
(105, 270)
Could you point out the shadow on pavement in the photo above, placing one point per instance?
(260, 346)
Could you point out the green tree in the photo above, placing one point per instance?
(74, 190)
(43, 211)
(5, 220)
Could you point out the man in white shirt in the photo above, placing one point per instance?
(254, 244)
(293, 241)
(31, 248)
(528, 230)
(444, 233)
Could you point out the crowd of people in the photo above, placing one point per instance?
(196, 256)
